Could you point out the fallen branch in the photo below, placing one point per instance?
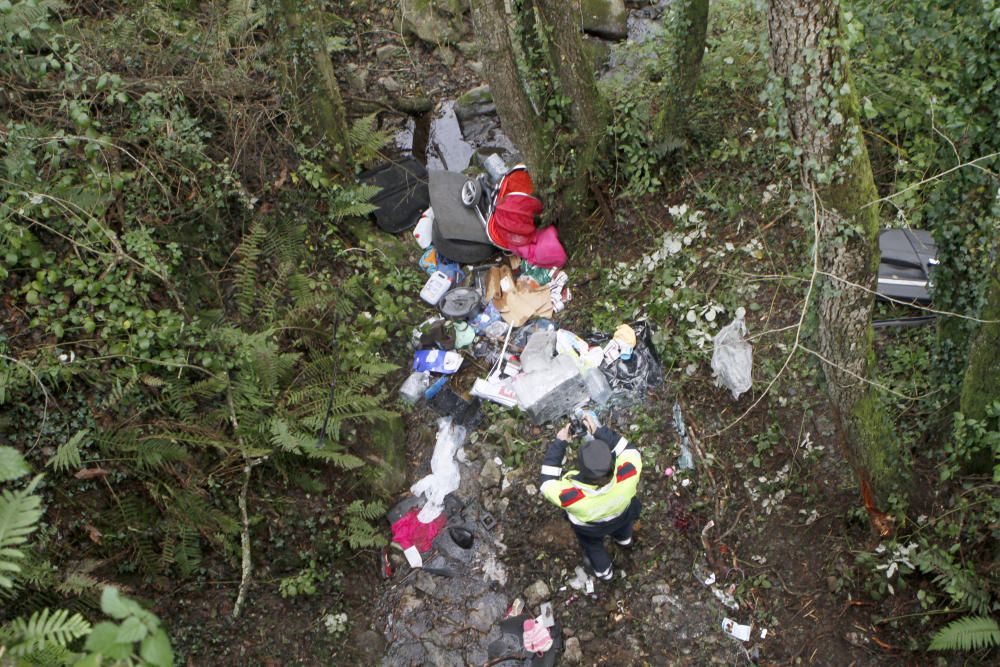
(248, 464)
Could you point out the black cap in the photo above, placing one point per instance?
(595, 459)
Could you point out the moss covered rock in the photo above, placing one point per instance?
(432, 21)
(605, 18)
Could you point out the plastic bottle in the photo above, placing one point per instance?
(414, 387)
(597, 387)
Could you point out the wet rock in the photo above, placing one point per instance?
(473, 103)
(573, 654)
(490, 475)
(487, 612)
(536, 593)
(432, 21)
(425, 583)
(388, 52)
(605, 18)
(389, 84)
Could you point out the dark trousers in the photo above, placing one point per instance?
(592, 535)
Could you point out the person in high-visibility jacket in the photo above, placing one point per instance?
(599, 498)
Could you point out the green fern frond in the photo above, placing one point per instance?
(967, 634)
(335, 456)
(353, 202)
(45, 628)
(12, 464)
(283, 438)
(20, 512)
(248, 254)
(67, 456)
(367, 141)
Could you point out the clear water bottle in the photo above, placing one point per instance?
(414, 387)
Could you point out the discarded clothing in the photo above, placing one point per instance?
(544, 249)
(536, 637)
(410, 531)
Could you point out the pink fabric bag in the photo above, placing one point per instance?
(545, 250)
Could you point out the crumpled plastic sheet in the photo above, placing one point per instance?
(445, 476)
(732, 359)
(631, 378)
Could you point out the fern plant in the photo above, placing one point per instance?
(20, 511)
(968, 633)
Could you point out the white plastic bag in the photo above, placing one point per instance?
(445, 476)
(732, 360)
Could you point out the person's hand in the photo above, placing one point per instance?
(563, 433)
(589, 423)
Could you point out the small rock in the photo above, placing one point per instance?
(530, 489)
(477, 67)
(475, 102)
(573, 654)
(390, 84)
(490, 475)
(536, 593)
(502, 505)
(388, 52)
(568, 632)
(445, 55)
(357, 78)
(660, 599)
(832, 584)
(587, 636)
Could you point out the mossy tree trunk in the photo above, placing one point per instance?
(517, 115)
(320, 91)
(575, 75)
(981, 385)
(689, 28)
(821, 115)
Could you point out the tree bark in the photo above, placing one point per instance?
(517, 115)
(326, 103)
(821, 112)
(689, 28)
(574, 70)
(981, 385)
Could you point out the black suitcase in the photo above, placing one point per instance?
(905, 267)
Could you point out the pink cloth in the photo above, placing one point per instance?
(545, 250)
(536, 637)
(409, 531)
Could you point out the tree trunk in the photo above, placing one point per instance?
(981, 385)
(821, 112)
(689, 29)
(575, 76)
(574, 70)
(517, 115)
(326, 103)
